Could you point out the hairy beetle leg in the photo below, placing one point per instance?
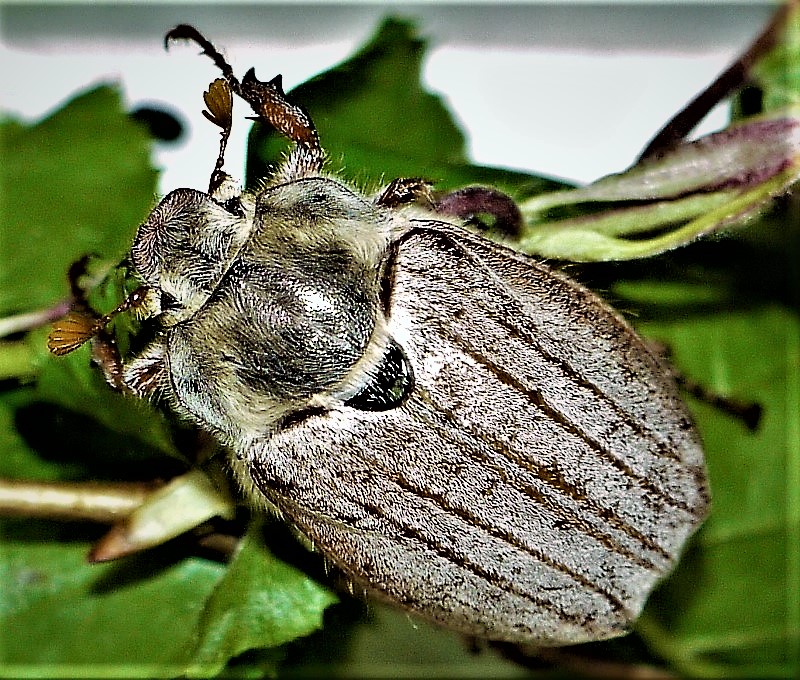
(748, 412)
(219, 100)
(105, 354)
(143, 375)
(268, 101)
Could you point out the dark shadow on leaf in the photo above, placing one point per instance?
(31, 530)
(128, 571)
(256, 663)
(87, 448)
(329, 644)
(688, 579)
(627, 653)
(284, 544)
(744, 274)
(331, 641)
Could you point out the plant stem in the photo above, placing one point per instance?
(86, 501)
(725, 84)
(20, 323)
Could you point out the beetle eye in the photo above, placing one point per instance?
(169, 302)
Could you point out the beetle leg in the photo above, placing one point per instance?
(219, 100)
(105, 354)
(143, 376)
(748, 412)
(146, 374)
(268, 101)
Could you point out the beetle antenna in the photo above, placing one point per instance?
(219, 100)
(77, 327)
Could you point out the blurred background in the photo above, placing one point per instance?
(582, 87)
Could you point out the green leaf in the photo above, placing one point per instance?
(376, 122)
(80, 179)
(740, 585)
(61, 617)
(261, 602)
(693, 190)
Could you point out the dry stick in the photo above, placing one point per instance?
(725, 84)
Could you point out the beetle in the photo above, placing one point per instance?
(462, 430)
